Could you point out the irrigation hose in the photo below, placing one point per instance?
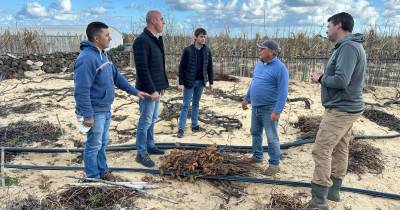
(208, 177)
(186, 146)
(164, 146)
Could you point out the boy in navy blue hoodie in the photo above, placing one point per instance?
(94, 79)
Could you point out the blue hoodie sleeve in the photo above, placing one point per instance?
(283, 86)
(122, 83)
(247, 97)
(85, 72)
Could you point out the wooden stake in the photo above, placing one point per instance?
(3, 183)
(59, 124)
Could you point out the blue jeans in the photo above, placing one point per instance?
(191, 95)
(261, 119)
(94, 154)
(145, 129)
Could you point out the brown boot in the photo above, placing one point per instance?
(252, 159)
(271, 170)
(108, 176)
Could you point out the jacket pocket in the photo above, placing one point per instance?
(107, 98)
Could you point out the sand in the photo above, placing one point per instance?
(297, 164)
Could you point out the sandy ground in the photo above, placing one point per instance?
(297, 164)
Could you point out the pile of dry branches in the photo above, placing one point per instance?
(31, 202)
(363, 158)
(383, 119)
(206, 162)
(225, 77)
(80, 197)
(22, 132)
(172, 109)
(282, 201)
(232, 94)
(309, 126)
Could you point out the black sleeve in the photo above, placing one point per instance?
(182, 67)
(210, 71)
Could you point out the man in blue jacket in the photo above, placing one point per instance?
(195, 70)
(267, 95)
(94, 79)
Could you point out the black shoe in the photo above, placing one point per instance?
(145, 160)
(197, 129)
(180, 133)
(155, 151)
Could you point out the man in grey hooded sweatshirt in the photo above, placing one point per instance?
(341, 95)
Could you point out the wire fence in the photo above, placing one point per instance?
(302, 53)
(380, 72)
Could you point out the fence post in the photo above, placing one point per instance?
(3, 183)
(131, 59)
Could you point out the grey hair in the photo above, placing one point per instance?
(150, 14)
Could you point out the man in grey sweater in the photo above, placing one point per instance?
(341, 95)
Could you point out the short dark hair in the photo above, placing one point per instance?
(345, 19)
(200, 31)
(93, 29)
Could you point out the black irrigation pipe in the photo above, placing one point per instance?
(186, 146)
(246, 179)
(127, 147)
(378, 137)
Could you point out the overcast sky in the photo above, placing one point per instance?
(239, 16)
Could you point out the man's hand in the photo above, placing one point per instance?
(154, 96)
(142, 94)
(162, 93)
(88, 123)
(210, 88)
(316, 75)
(180, 87)
(245, 103)
(275, 116)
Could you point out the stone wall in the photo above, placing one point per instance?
(25, 66)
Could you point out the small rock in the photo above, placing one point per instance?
(33, 73)
(26, 67)
(34, 67)
(39, 63)
(71, 67)
(11, 55)
(1, 62)
(14, 64)
(29, 62)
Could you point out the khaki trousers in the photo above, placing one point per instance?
(331, 148)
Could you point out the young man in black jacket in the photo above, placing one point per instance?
(195, 70)
(151, 78)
